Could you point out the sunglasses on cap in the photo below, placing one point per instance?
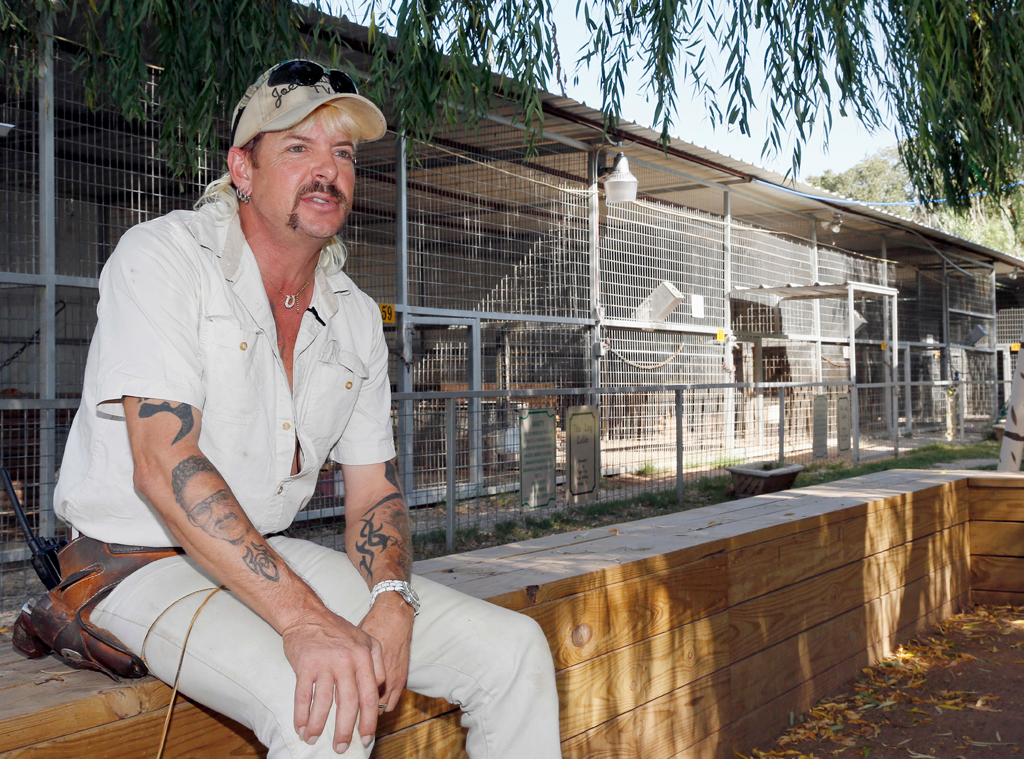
(302, 73)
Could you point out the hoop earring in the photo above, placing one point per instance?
(245, 198)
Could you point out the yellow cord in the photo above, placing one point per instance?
(181, 659)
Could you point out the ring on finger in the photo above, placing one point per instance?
(382, 706)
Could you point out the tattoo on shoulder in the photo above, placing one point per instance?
(182, 410)
(261, 561)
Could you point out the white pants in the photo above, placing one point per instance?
(494, 662)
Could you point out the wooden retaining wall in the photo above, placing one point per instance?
(690, 635)
(997, 541)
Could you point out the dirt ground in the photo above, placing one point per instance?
(956, 693)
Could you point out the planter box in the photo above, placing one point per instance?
(754, 478)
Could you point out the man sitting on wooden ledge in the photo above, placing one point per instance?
(231, 357)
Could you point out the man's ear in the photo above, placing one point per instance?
(240, 168)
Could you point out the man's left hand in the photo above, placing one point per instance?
(390, 622)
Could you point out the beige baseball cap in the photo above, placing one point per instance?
(285, 94)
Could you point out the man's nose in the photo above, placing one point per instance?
(325, 168)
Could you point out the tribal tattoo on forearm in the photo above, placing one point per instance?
(259, 559)
(220, 516)
(382, 528)
(183, 411)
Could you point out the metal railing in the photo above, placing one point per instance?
(459, 451)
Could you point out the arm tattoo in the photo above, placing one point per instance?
(219, 514)
(183, 411)
(183, 473)
(391, 474)
(259, 559)
(376, 537)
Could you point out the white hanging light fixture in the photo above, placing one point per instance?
(620, 185)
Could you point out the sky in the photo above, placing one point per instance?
(849, 142)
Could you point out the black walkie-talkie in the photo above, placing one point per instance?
(44, 550)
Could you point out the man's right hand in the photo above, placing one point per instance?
(334, 661)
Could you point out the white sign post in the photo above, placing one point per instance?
(537, 457)
(583, 453)
(843, 420)
(821, 426)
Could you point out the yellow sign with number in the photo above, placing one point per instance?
(1014, 347)
(885, 345)
(387, 313)
(721, 335)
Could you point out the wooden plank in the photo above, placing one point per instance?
(773, 617)
(762, 726)
(764, 676)
(600, 689)
(997, 598)
(764, 567)
(997, 504)
(1005, 573)
(519, 576)
(996, 480)
(527, 589)
(58, 705)
(439, 737)
(659, 729)
(586, 625)
(196, 733)
(997, 538)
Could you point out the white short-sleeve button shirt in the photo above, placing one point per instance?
(183, 316)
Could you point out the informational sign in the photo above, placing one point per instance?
(885, 346)
(537, 457)
(843, 422)
(720, 335)
(583, 453)
(387, 313)
(821, 426)
(1014, 347)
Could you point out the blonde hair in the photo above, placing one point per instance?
(222, 190)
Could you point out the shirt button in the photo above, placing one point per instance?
(280, 490)
(286, 426)
(348, 385)
(243, 346)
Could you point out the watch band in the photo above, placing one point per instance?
(402, 588)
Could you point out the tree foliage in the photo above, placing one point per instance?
(948, 71)
(881, 179)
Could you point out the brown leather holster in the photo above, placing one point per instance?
(59, 620)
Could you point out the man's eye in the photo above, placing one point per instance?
(346, 155)
(296, 148)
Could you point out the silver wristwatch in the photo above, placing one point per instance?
(399, 586)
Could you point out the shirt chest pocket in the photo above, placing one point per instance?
(232, 375)
(333, 391)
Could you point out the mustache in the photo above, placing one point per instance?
(323, 189)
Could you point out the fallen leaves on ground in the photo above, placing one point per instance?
(851, 721)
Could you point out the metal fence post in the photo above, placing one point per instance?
(679, 446)
(908, 391)
(960, 404)
(48, 293)
(782, 425)
(451, 452)
(895, 390)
